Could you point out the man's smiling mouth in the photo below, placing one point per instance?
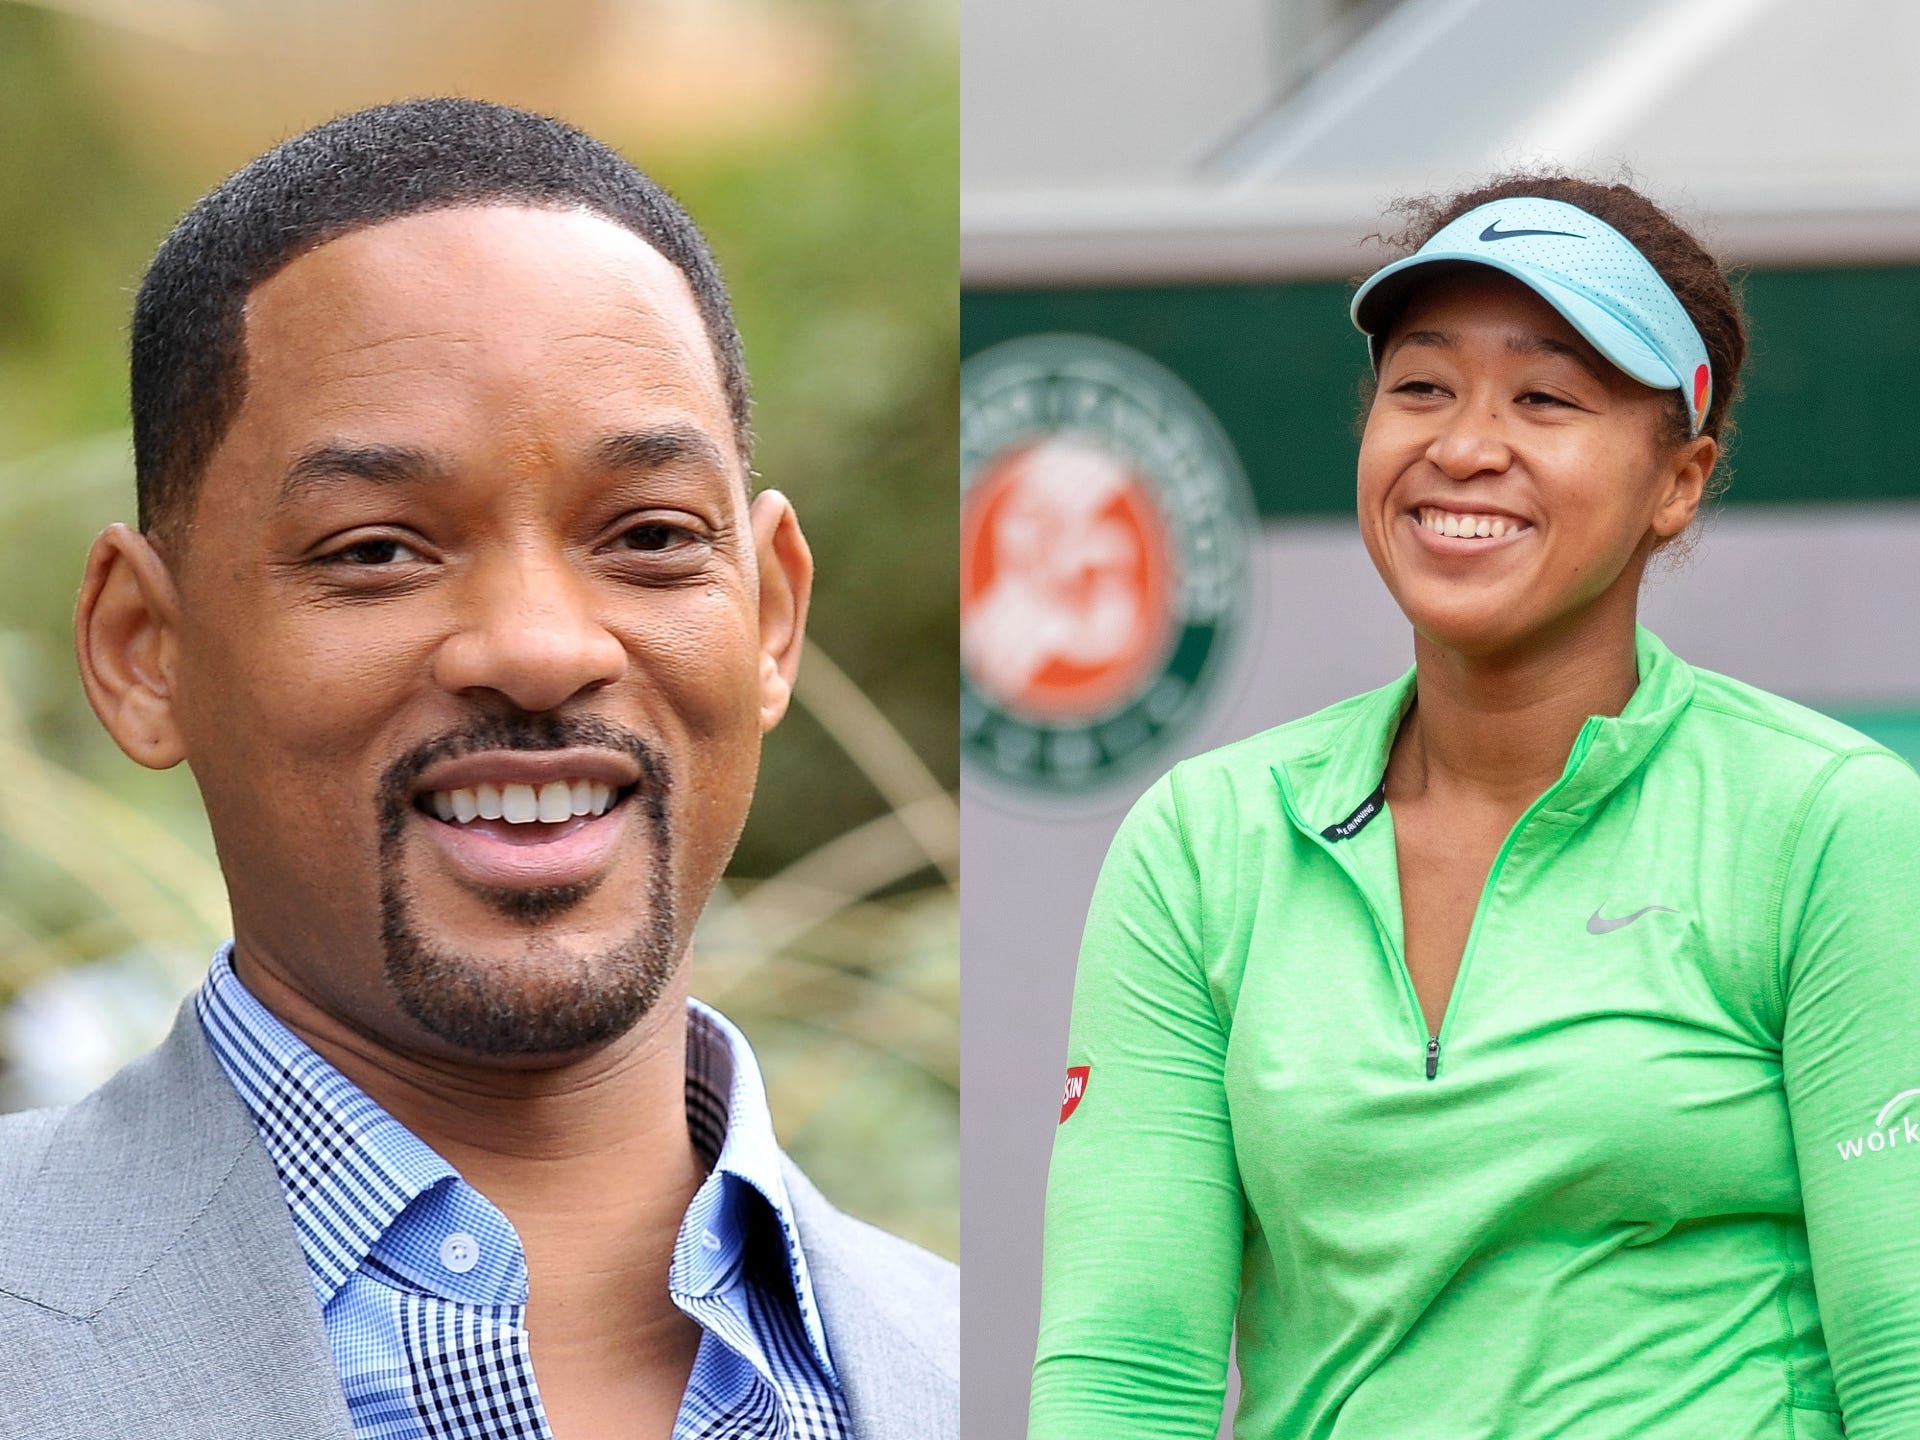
(520, 814)
(516, 835)
(505, 814)
(551, 803)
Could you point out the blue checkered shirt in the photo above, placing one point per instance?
(422, 1283)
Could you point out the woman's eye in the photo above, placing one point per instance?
(1416, 387)
(1540, 397)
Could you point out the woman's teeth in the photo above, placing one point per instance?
(1483, 527)
(522, 804)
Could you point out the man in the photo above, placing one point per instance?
(450, 588)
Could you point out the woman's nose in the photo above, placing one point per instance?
(1471, 441)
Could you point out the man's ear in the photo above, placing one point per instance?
(125, 635)
(786, 584)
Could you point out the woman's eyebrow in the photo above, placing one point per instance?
(1547, 345)
(1435, 339)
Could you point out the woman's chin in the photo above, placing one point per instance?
(1478, 624)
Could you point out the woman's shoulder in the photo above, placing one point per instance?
(1772, 755)
(1734, 704)
(1758, 729)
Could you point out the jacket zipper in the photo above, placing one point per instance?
(1580, 744)
(1579, 753)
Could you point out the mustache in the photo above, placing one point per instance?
(519, 731)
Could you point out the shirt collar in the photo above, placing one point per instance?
(348, 1167)
(350, 1170)
(1331, 765)
(746, 1187)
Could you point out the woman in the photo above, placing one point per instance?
(1516, 1048)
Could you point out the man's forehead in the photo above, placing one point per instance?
(522, 298)
(475, 260)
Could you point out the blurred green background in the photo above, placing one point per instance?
(816, 142)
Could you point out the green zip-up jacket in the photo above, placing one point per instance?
(1675, 1094)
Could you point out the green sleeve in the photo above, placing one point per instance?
(1144, 1208)
(1850, 962)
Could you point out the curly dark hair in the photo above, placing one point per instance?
(1699, 281)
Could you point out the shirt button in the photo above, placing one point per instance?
(459, 1252)
(709, 1240)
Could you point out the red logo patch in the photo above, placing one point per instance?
(1702, 388)
(1076, 1087)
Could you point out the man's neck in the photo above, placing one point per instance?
(591, 1160)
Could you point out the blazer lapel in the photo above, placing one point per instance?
(157, 1222)
(891, 1312)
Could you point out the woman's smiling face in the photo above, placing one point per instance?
(1512, 480)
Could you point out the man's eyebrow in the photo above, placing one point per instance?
(640, 451)
(631, 451)
(382, 464)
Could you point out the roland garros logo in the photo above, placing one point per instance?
(1103, 532)
(1885, 1135)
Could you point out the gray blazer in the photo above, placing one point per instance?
(152, 1288)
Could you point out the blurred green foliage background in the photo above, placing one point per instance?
(817, 144)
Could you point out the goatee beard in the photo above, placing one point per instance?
(547, 1000)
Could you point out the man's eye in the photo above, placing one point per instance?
(652, 537)
(372, 553)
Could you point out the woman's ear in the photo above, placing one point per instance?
(125, 636)
(1691, 467)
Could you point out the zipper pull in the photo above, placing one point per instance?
(1433, 1056)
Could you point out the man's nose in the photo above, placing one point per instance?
(1472, 441)
(529, 631)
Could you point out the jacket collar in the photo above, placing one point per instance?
(893, 1312)
(151, 1214)
(155, 1219)
(1333, 765)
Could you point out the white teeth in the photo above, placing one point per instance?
(555, 802)
(551, 803)
(1483, 527)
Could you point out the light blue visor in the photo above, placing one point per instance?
(1581, 266)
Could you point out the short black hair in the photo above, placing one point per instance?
(189, 364)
